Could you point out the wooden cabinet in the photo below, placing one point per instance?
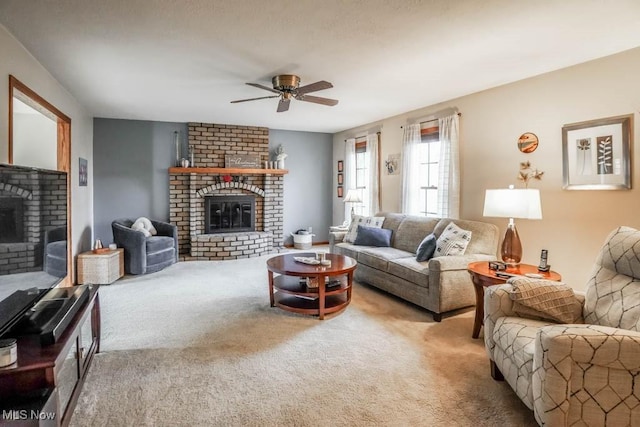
(49, 379)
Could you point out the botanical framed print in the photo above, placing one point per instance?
(340, 191)
(340, 179)
(596, 155)
(340, 165)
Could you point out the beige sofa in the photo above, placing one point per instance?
(440, 284)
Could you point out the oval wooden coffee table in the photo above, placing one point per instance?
(290, 292)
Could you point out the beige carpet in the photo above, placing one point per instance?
(198, 344)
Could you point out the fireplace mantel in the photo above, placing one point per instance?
(228, 171)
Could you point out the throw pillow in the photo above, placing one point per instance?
(453, 241)
(427, 248)
(547, 300)
(144, 225)
(369, 221)
(373, 236)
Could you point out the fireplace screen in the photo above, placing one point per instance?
(229, 214)
(11, 220)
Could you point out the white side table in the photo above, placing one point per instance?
(101, 268)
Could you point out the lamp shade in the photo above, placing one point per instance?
(513, 203)
(353, 196)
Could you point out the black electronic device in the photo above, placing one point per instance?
(50, 316)
(543, 261)
(497, 265)
(33, 224)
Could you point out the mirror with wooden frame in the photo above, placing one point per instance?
(40, 137)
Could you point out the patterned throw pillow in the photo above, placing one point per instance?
(453, 241)
(369, 221)
(544, 299)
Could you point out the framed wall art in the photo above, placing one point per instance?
(340, 166)
(340, 191)
(596, 155)
(340, 179)
(83, 172)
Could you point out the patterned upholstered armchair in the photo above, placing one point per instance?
(585, 373)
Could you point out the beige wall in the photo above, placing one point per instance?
(575, 223)
(17, 61)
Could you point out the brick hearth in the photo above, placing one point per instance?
(188, 187)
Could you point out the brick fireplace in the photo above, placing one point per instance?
(190, 188)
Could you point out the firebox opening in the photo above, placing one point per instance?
(229, 214)
(11, 220)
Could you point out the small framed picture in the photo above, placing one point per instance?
(340, 179)
(340, 193)
(340, 165)
(83, 172)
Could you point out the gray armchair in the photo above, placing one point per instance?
(143, 255)
(55, 251)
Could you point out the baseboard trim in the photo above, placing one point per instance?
(313, 244)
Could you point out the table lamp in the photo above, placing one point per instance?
(512, 203)
(353, 197)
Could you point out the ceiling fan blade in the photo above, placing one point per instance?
(254, 99)
(283, 105)
(259, 86)
(318, 100)
(321, 85)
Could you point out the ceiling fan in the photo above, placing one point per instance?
(286, 87)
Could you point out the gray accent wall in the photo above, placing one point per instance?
(308, 185)
(131, 179)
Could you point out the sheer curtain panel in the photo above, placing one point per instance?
(349, 173)
(373, 179)
(449, 168)
(410, 182)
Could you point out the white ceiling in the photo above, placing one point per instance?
(183, 61)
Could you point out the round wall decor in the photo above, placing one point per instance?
(528, 142)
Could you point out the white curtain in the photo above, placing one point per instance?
(410, 182)
(349, 173)
(373, 192)
(449, 168)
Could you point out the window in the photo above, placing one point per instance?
(428, 167)
(362, 173)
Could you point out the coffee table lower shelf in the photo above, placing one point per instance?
(295, 304)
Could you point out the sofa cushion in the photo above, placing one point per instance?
(427, 248)
(370, 221)
(373, 236)
(453, 241)
(379, 258)
(411, 270)
(412, 230)
(348, 249)
(391, 222)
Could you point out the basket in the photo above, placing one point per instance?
(302, 241)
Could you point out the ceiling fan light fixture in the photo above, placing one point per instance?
(287, 87)
(285, 82)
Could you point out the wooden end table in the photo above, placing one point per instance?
(482, 277)
(288, 293)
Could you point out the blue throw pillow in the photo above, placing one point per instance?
(373, 236)
(427, 248)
